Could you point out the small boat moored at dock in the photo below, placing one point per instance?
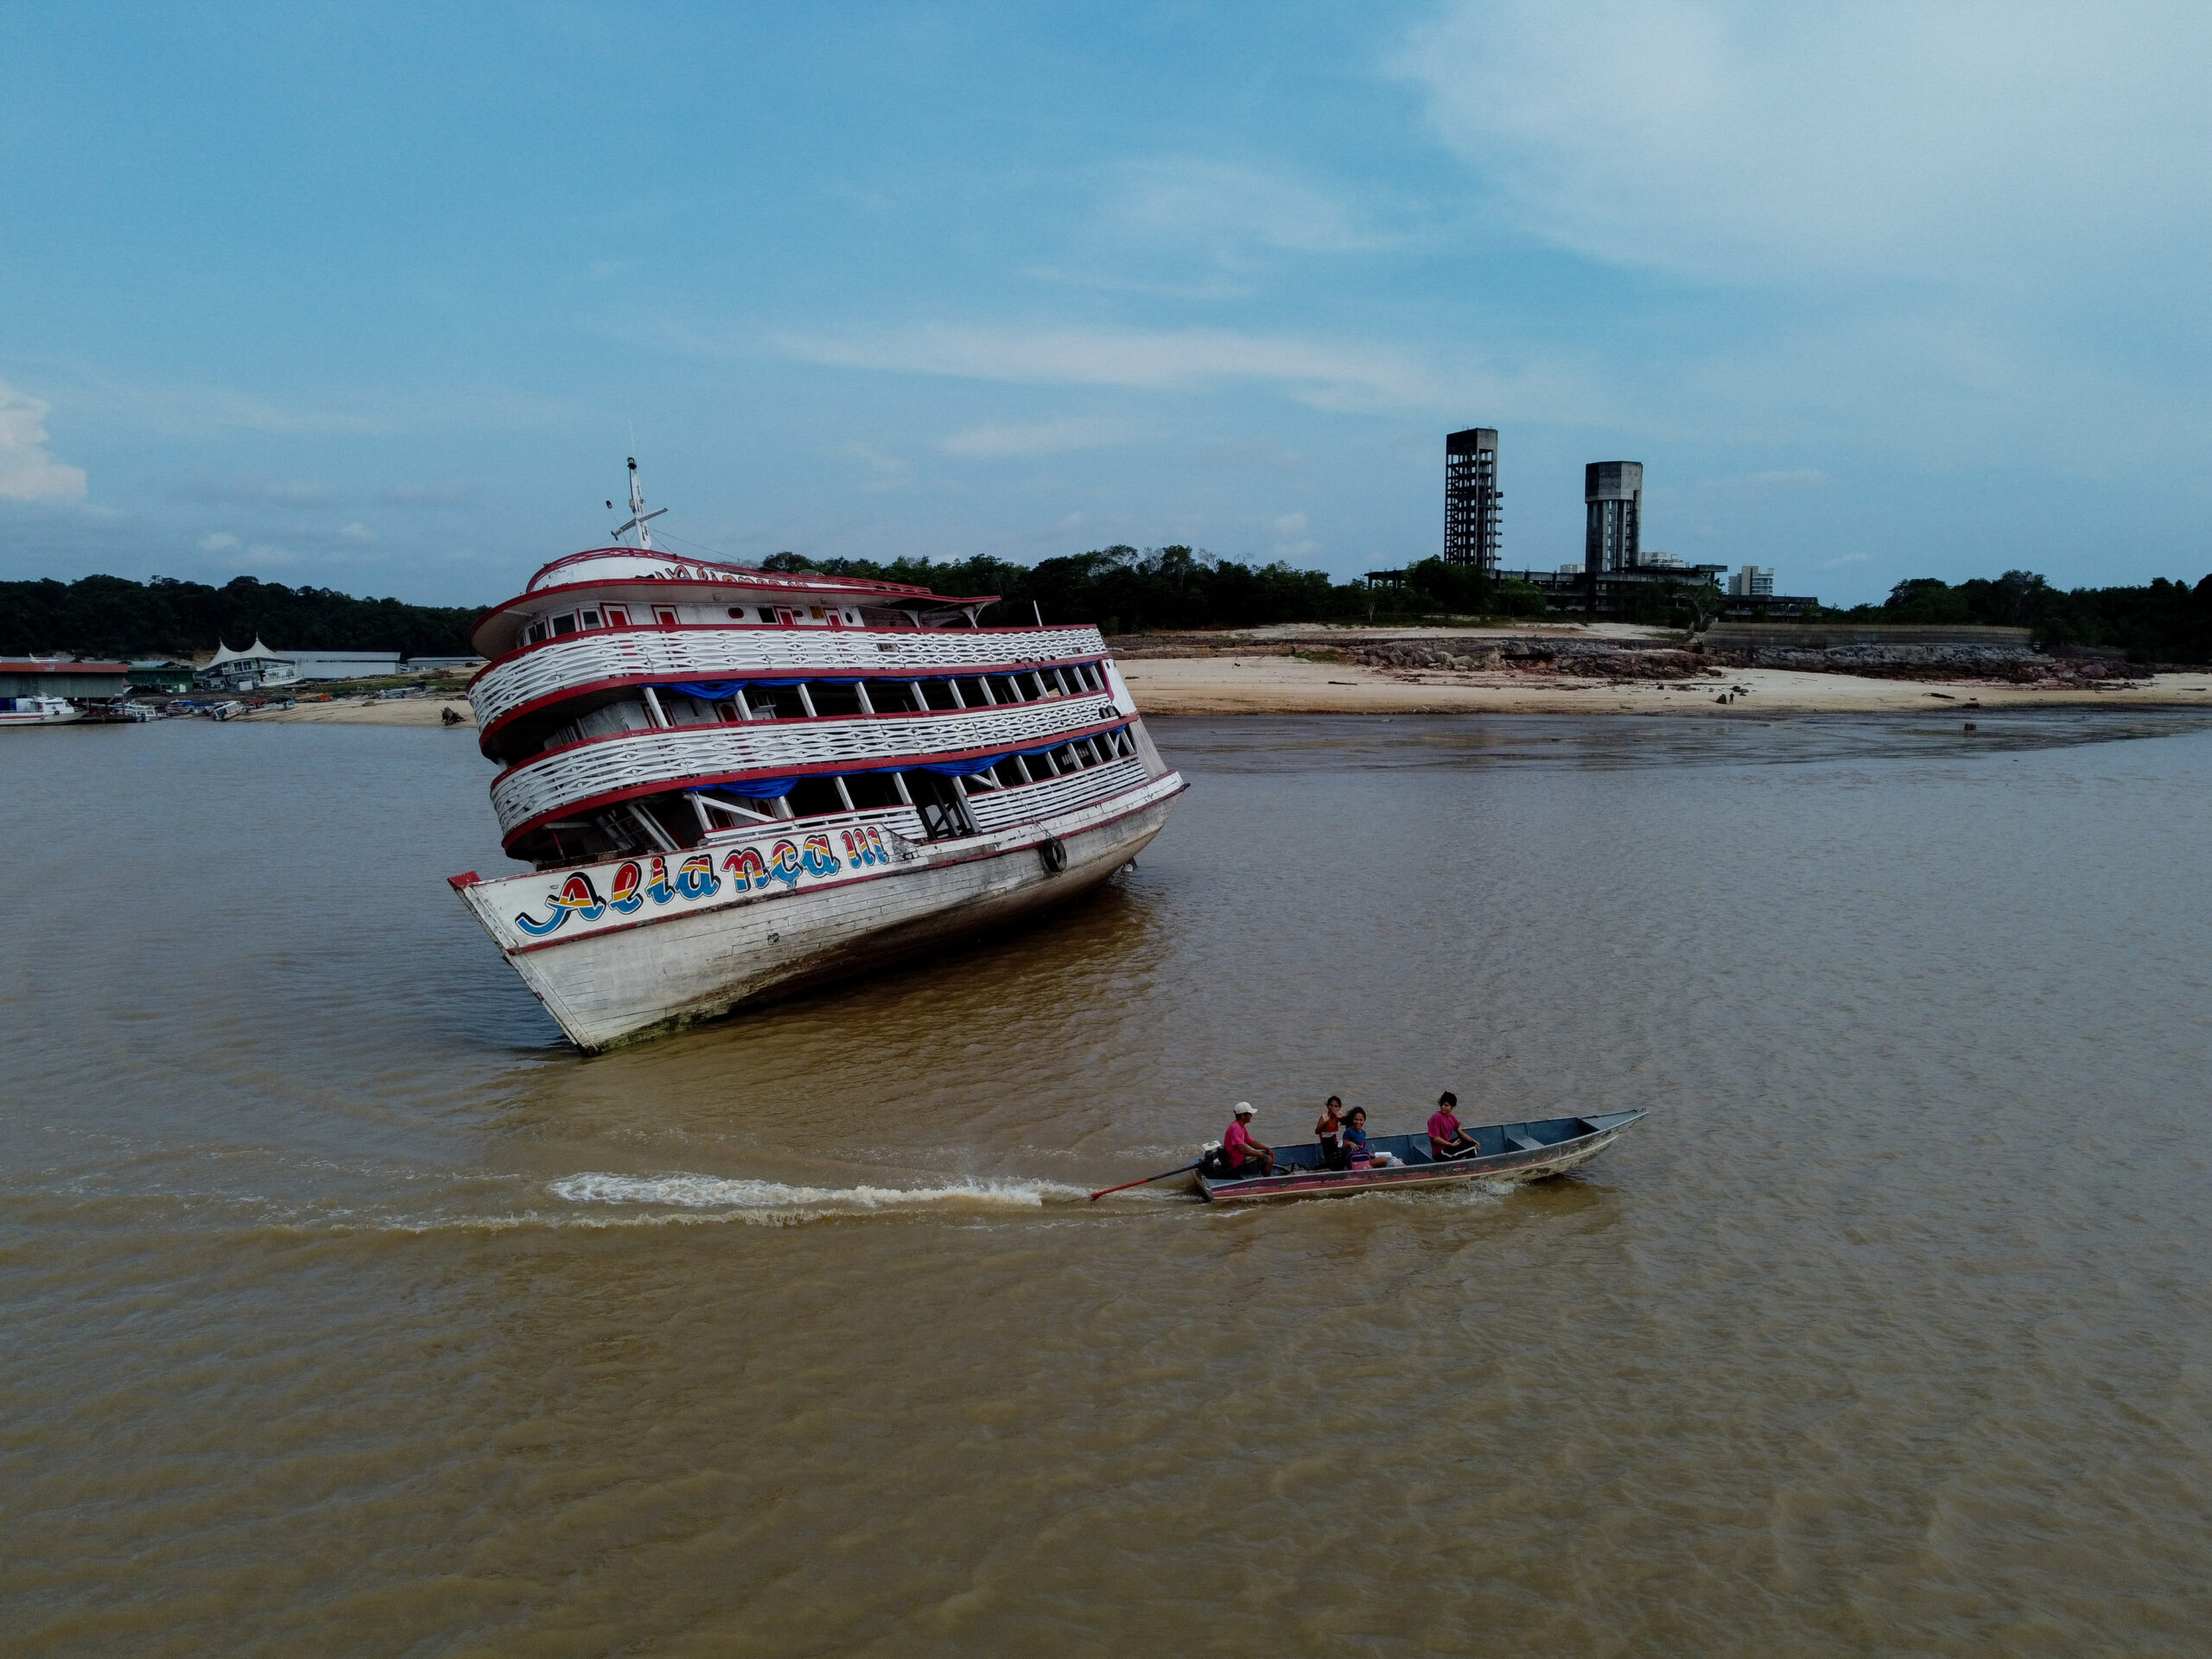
(1510, 1151)
(38, 711)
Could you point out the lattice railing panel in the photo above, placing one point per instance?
(733, 653)
(669, 759)
(1019, 806)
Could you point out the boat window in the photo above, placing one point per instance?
(617, 617)
(591, 618)
(665, 615)
(872, 790)
(835, 699)
(783, 701)
(943, 807)
(810, 796)
(784, 618)
(564, 624)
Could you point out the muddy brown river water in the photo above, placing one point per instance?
(349, 1311)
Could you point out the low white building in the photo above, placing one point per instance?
(346, 664)
(249, 669)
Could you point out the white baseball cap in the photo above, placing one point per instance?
(1244, 1109)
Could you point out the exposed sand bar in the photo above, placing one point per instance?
(390, 711)
(1224, 684)
(1284, 685)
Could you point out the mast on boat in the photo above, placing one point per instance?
(639, 516)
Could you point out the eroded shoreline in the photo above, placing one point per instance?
(1225, 683)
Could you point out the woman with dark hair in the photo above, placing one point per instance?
(1358, 1154)
(1330, 1131)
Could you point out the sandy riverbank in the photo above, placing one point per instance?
(393, 711)
(1285, 685)
(1224, 685)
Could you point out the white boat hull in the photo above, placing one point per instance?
(611, 968)
(38, 711)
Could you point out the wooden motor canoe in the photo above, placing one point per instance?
(1509, 1152)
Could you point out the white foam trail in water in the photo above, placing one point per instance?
(778, 1197)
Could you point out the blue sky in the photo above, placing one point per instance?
(379, 298)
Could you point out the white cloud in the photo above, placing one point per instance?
(1044, 438)
(29, 471)
(1328, 375)
(357, 532)
(1260, 453)
(449, 494)
(1108, 282)
(1846, 561)
(221, 542)
(1725, 140)
(256, 492)
(884, 472)
(1226, 208)
(1290, 524)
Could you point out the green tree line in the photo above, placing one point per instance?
(110, 617)
(2164, 622)
(1126, 590)
(1123, 590)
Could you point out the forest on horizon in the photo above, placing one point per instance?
(1122, 589)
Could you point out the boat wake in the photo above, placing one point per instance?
(780, 1200)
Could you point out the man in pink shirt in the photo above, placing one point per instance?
(1446, 1140)
(1246, 1156)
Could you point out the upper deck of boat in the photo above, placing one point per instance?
(639, 583)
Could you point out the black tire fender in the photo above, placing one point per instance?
(1052, 853)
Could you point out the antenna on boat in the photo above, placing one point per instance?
(638, 513)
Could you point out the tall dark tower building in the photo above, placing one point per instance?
(1612, 496)
(1471, 499)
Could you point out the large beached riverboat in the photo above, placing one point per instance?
(734, 782)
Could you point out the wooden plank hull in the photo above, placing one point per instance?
(683, 965)
(1589, 1137)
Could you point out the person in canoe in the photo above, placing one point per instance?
(1358, 1153)
(1245, 1156)
(1330, 1132)
(1446, 1140)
